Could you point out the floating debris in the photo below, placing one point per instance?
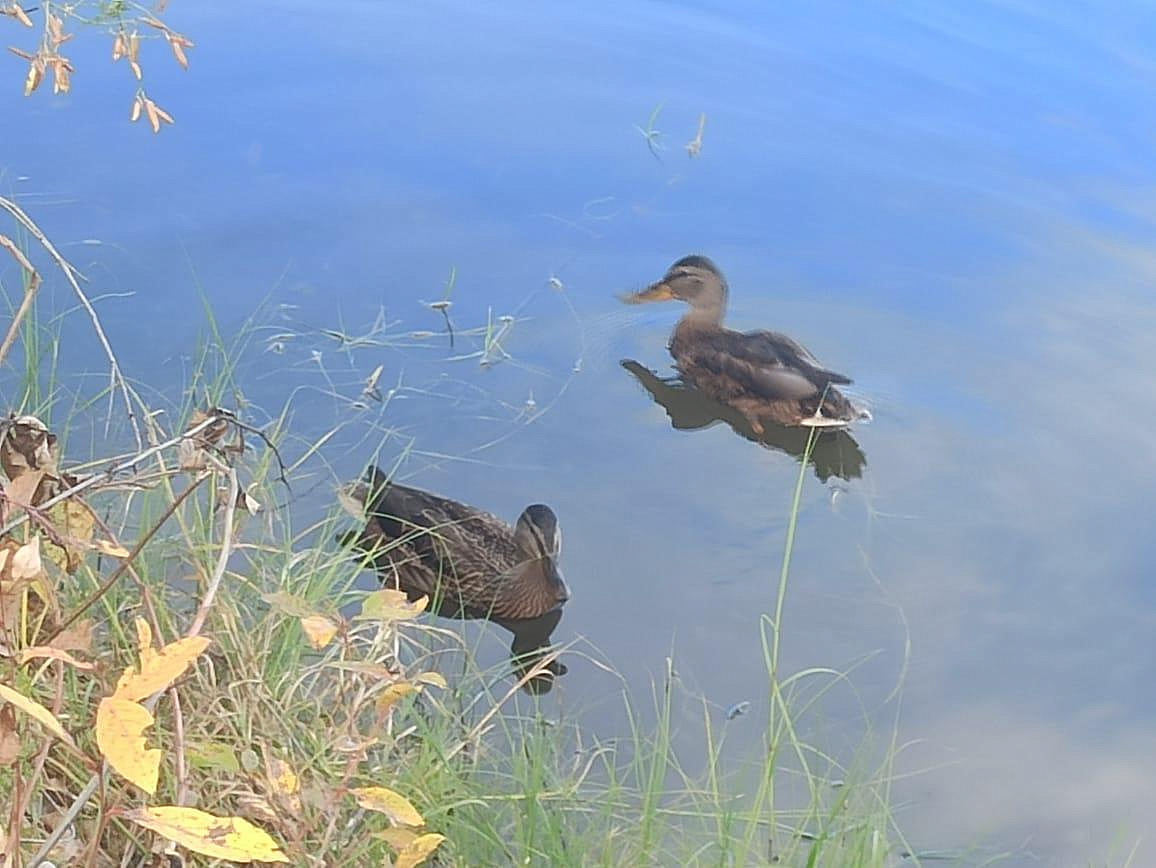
(737, 710)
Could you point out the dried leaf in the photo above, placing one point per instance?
(434, 678)
(418, 851)
(232, 838)
(282, 778)
(392, 693)
(111, 549)
(24, 562)
(389, 604)
(150, 108)
(247, 502)
(158, 669)
(78, 637)
(289, 604)
(385, 801)
(119, 48)
(36, 711)
(319, 630)
(38, 652)
(73, 522)
(14, 10)
(135, 67)
(21, 491)
(61, 72)
(120, 726)
(178, 50)
(34, 77)
(284, 786)
(27, 443)
(9, 739)
(133, 118)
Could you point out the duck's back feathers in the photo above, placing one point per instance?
(464, 559)
(761, 364)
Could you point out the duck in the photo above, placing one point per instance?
(469, 563)
(765, 376)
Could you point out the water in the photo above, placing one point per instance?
(951, 204)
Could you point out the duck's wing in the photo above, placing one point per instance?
(770, 364)
(446, 548)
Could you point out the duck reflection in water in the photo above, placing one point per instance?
(470, 564)
(834, 453)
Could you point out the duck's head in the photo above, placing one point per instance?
(693, 279)
(539, 540)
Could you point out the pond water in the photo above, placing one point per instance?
(952, 204)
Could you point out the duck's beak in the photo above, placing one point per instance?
(660, 291)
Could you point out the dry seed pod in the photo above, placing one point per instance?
(136, 107)
(35, 76)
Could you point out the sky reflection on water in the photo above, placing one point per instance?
(953, 205)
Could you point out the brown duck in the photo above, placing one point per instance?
(470, 564)
(765, 376)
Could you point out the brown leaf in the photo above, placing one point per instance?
(22, 490)
(37, 652)
(119, 49)
(78, 637)
(133, 118)
(27, 443)
(61, 71)
(9, 739)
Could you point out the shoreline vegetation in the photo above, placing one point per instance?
(180, 662)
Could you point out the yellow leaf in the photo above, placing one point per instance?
(120, 726)
(418, 850)
(397, 837)
(232, 838)
(434, 678)
(282, 778)
(389, 604)
(73, 522)
(39, 651)
(319, 630)
(386, 801)
(158, 669)
(37, 711)
(392, 693)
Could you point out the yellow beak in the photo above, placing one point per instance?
(660, 291)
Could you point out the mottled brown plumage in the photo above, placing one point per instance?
(764, 375)
(470, 563)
